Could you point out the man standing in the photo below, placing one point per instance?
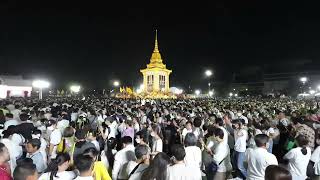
(259, 158)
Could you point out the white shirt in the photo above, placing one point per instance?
(193, 156)
(298, 162)
(315, 157)
(61, 125)
(113, 129)
(222, 156)
(16, 113)
(258, 160)
(225, 135)
(64, 175)
(185, 131)
(55, 139)
(183, 172)
(157, 145)
(74, 116)
(138, 172)
(240, 140)
(11, 122)
(120, 159)
(84, 178)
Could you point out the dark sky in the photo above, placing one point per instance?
(93, 43)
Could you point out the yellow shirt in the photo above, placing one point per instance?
(100, 171)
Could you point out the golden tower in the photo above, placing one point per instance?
(156, 75)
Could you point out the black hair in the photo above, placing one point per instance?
(274, 172)
(35, 143)
(111, 144)
(36, 131)
(261, 140)
(178, 152)
(80, 134)
(156, 128)
(1, 147)
(158, 168)
(143, 134)
(303, 143)
(9, 115)
(126, 140)
(55, 163)
(68, 132)
(83, 162)
(197, 122)
(190, 140)
(297, 120)
(141, 150)
(219, 133)
(22, 171)
(24, 161)
(219, 121)
(24, 117)
(92, 152)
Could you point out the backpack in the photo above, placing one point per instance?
(61, 148)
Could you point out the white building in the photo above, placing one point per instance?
(14, 86)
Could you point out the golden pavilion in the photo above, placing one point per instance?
(156, 75)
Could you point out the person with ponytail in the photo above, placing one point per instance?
(299, 158)
(57, 169)
(100, 171)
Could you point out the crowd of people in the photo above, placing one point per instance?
(187, 139)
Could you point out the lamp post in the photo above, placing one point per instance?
(41, 84)
(208, 74)
(303, 80)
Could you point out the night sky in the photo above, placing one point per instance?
(93, 43)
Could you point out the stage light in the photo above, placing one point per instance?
(208, 73)
(210, 93)
(75, 88)
(41, 84)
(303, 79)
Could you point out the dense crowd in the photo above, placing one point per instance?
(190, 139)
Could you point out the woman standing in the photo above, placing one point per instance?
(57, 169)
(158, 168)
(157, 137)
(299, 158)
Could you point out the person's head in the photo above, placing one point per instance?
(24, 117)
(92, 135)
(128, 123)
(92, 152)
(126, 140)
(142, 137)
(297, 121)
(60, 163)
(236, 124)
(142, 152)
(219, 122)
(68, 132)
(33, 145)
(189, 125)
(274, 172)
(261, 140)
(111, 143)
(80, 134)
(156, 131)
(84, 164)
(178, 152)
(190, 140)
(282, 115)
(302, 142)
(52, 124)
(4, 154)
(25, 171)
(157, 168)
(218, 134)
(36, 134)
(9, 116)
(197, 122)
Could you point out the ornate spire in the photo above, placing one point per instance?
(156, 43)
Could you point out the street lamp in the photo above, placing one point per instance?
(303, 80)
(116, 83)
(318, 87)
(75, 88)
(231, 94)
(197, 92)
(210, 93)
(208, 74)
(41, 84)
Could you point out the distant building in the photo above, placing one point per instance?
(156, 75)
(14, 86)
